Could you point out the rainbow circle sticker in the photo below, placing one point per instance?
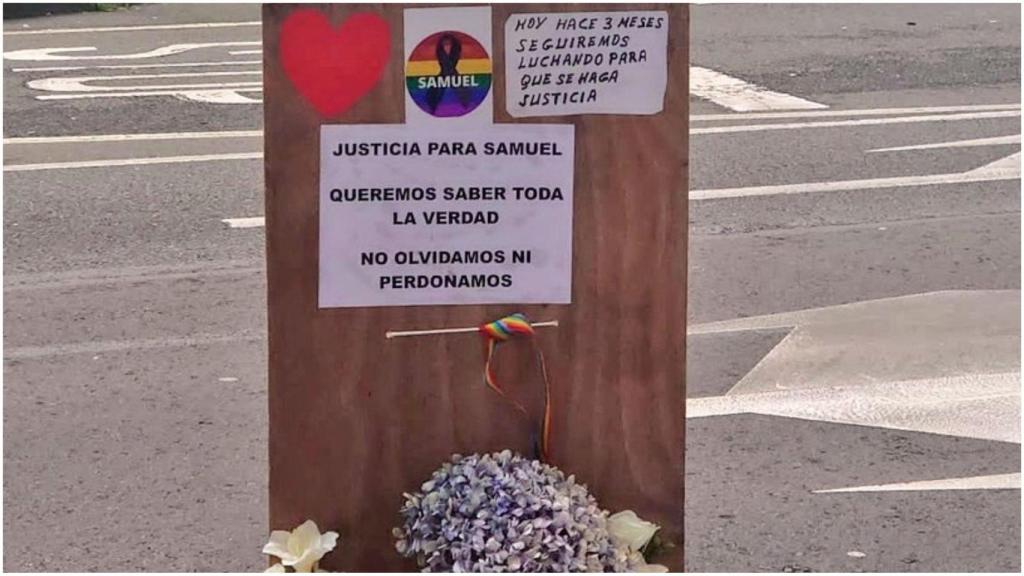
(448, 74)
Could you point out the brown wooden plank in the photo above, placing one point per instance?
(355, 420)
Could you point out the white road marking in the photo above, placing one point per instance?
(854, 112)
(137, 66)
(210, 92)
(132, 161)
(254, 222)
(1004, 169)
(259, 133)
(132, 28)
(941, 362)
(217, 97)
(187, 94)
(899, 305)
(102, 346)
(129, 275)
(78, 83)
(913, 337)
(742, 96)
(174, 89)
(720, 88)
(981, 406)
(1007, 168)
(60, 54)
(861, 122)
(135, 137)
(988, 482)
(993, 141)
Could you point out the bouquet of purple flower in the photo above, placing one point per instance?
(504, 513)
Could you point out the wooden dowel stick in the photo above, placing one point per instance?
(397, 334)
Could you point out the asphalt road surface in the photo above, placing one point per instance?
(854, 318)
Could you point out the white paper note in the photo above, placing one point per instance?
(410, 215)
(586, 63)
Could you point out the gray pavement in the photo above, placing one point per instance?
(134, 360)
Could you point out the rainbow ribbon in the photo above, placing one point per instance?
(502, 330)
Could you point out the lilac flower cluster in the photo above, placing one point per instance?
(503, 513)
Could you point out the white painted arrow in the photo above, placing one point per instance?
(984, 407)
(942, 363)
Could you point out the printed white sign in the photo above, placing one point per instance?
(412, 215)
(448, 66)
(586, 63)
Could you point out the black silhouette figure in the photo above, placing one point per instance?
(448, 51)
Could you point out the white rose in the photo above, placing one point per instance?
(301, 548)
(627, 529)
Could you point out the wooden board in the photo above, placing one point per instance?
(355, 420)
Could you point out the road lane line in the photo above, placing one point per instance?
(861, 122)
(129, 275)
(742, 96)
(250, 87)
(104, 346)
(134, 137)
(987, 482)
(110, 91)
(697, 194)
(138, 66)
(132, 28)
(78, 83)
(61, 53)
(256, 133)
(133, 161)
(699, 330)
(253, 222)
(993, 141)
(1006, 169)
(853, 112)
(838, 313)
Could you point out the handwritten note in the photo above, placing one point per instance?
(558, 64)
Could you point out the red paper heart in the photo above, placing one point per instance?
(334, 68)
